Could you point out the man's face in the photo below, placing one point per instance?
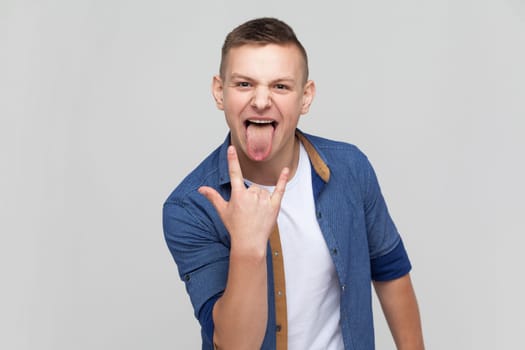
(263, 92)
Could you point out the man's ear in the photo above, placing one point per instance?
(308, 96)
(217, 91)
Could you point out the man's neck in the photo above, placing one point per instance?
(267, 172)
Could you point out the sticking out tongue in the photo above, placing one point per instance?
(259, 140)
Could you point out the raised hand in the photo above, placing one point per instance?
(251, 213)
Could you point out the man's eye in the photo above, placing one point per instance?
(281, 87)
(243, 84)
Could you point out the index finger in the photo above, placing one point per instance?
(234, 168)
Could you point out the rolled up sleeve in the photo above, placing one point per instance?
(202, 259)
(388, 257)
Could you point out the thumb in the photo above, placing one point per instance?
(214, 197)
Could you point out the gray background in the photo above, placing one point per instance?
(105, 106)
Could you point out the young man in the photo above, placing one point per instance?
(278, 234)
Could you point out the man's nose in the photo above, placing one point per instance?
(261, 98)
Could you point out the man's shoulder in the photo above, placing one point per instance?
(207, 173)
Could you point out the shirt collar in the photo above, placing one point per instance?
(318, 163)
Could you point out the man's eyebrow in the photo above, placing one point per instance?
(288, 79)
(237, 76)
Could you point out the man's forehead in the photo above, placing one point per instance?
(242, 60)
(288, 50)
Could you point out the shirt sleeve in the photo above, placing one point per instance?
(388, 257)
(202, 258)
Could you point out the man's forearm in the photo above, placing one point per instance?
(401, 311)
(240, 315)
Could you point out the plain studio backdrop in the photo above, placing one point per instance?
(105, 106)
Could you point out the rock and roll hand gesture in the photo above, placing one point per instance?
(251, 213)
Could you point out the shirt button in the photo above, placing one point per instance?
(279, 293)
(343, 287)
(319, 215)
(334, 251)
(278, 328)
(276, 253)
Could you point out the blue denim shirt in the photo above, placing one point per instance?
(353, 217)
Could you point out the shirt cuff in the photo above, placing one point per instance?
(392, 265)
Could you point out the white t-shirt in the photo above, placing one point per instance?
(312, 288)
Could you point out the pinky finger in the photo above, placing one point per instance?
(280, 187)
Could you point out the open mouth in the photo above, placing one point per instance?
(259, 123)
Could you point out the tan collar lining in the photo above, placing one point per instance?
(319, 165)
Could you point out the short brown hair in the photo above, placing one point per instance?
(262, 31)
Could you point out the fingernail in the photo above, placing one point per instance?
(231, 149)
